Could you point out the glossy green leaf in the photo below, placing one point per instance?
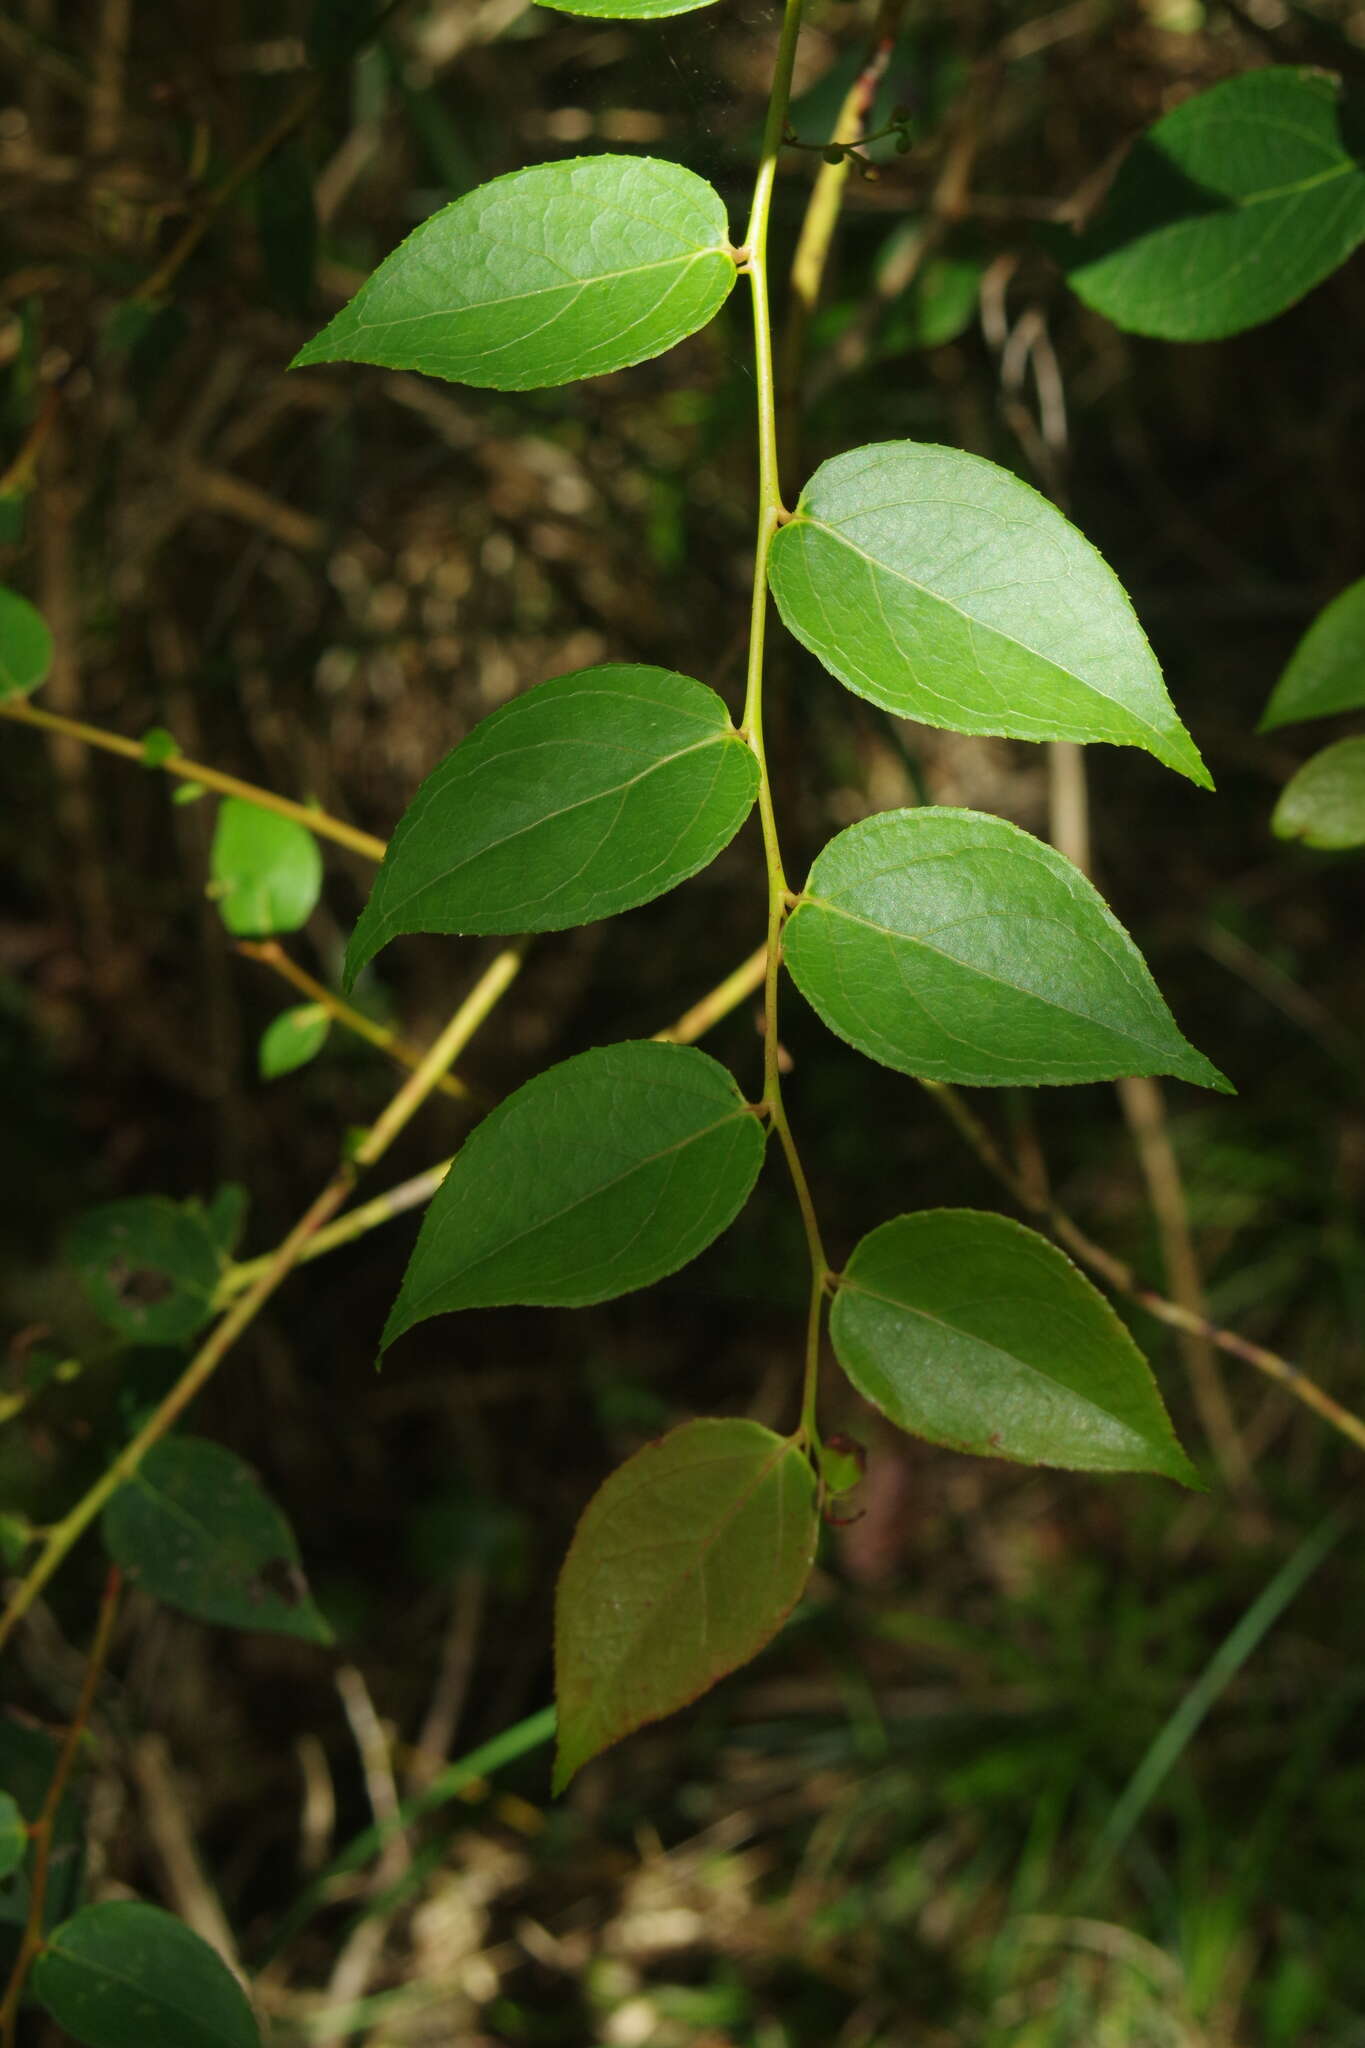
(125, 1975)
(976, 1333)
(600, 1176)
(148, 1265)
(955, 947)
(625, 10)
(13, 1836)
(1326, 671)
(292, 1039)
(25, 646)
(685, 1563)
(194, 1527)
(1324, 804)
(564, 270)
(1228, 210)
(945, 590)
(587, 795)
(267, 870)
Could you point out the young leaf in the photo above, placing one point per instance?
(194, 1527)
(686, 1562)
(625, 10)
(955, 947)
(13, 1836)
(976, 1333)
(587, 795)
(125, 1975)
(1324, 804)
(564, 270)
(25, 646)
(1228, 210)
(148, 1265)
(1326, 671)
(292, 1039)
(945, 590)
(599, 1176)
(267, 870)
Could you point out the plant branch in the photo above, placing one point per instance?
(319, 821)
(1124, 1280)
(477, 1005)
(272, 955)
(770, 517)
(43, 1827)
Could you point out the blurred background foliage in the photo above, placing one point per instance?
(916, 1820)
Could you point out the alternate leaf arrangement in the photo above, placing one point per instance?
(942, 943)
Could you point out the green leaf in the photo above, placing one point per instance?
(685, 1563)
(194, 1527)
(561, 271)
(976, 1333)
(955, 947)
(292, 1039)
(125, 1975)
(1326, 671)
(13, 1836)
(944, 589)
(148, 1265)
(600, 1176)
(267, 870)
(1324, 804)
(25, 646)
(1228, 210)
(625, 10)
(585, 796)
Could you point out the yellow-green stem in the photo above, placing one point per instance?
(279, 1264)
(770, 517)
(321, 822)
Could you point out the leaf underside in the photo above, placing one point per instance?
(1324, 803)
(685, 1563)
(560, 271)
(950, 945)
(1228, 210)
(1326, 672)
(600, 1176)
(585, 796)
(976, 1333)
(267, 870)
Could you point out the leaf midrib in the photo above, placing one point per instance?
(603, 1187)
(874, 562)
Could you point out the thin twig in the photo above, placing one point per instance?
(272, 955)
(319, 821)
(42, 1829)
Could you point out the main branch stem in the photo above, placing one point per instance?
(770, 517)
